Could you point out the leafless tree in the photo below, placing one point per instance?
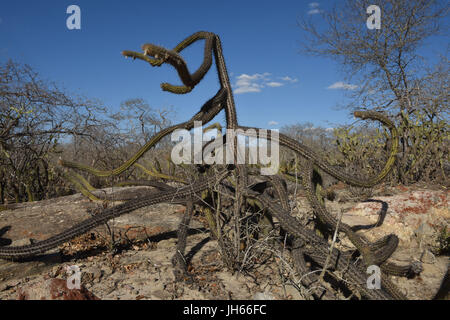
(121, 134)
(391, 74)
(313, 136)
(40, 123)
(34, 117)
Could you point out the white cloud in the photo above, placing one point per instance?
(342, 85)
(250, 83)
(256, 82)
(273, 123)
(246, 89)
(314, 8)
(287, 78)
(274, 84)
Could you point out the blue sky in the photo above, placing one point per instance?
(274, 84)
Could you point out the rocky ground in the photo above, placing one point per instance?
(140, 266)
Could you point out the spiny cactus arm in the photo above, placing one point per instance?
(172, 196)
(370, 256)
(373, 115)
(309, 154)
(83, 186)
(160, 175)
(195, 37)
(172, 57)
(170, 166)
(77, 181)
(29, 193)
(157, 166)
(178, 63)
(141, 56)
(82, 180)
(148, 183)
(208, 111)
(106, 173)
(211, 220)
(375, 253)
(215, 125)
